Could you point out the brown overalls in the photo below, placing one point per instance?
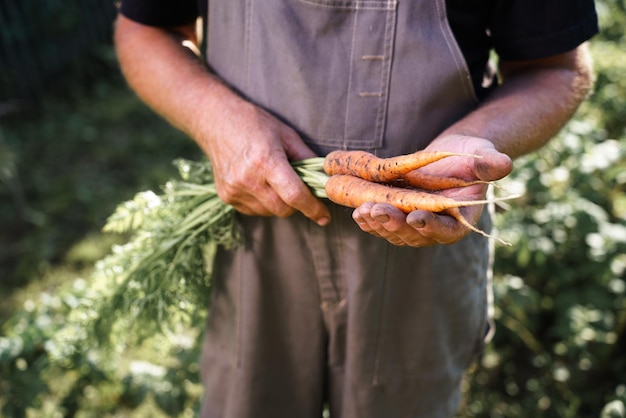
(303, 315)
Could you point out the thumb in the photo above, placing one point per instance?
(493, 165)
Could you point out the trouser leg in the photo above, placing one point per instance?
(411, 323)
(383, 330)
(264, 351)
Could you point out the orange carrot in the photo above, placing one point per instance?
(381, 170)
(351, 191)
(421, 180)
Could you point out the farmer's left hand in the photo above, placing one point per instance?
(423, 228)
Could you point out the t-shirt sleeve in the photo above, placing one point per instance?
(533, 29)
(161, 13)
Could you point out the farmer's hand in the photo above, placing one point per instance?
(422, 228)
(250, 151)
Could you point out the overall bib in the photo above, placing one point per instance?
(304, 315)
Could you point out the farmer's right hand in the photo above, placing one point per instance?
(250, 152)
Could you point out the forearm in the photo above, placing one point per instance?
(170, 78)
(533, 103)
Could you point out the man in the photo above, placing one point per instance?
(374, 313)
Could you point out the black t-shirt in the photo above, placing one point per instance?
(518, 29)
(515, 29)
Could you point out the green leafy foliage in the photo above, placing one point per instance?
(66, 166)
(560, 290)
(51, 368)
(160, 277)
(39, 40)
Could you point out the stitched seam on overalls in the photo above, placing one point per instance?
(350, 5)
(463, 72)
(352, 48)
(248, 41)
(385, 74)
(240, 312)
(379, 341)
(242, 307)
(340, 280)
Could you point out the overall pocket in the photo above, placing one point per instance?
(323, 66)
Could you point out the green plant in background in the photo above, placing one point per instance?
(560, 291)
(50, 370)
(160, 279)
(75, 157)
(40, 40)
(607, 106)
(73, 168)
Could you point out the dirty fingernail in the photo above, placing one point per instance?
(420, 223)
(382, 219)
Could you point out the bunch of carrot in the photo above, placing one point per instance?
(357, 177)
(160, 276)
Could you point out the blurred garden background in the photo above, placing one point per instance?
(75, 142)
